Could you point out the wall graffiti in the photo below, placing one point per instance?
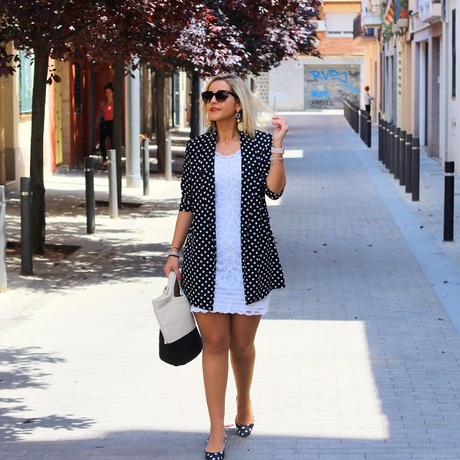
(325, 87)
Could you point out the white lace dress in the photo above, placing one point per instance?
(229, 290)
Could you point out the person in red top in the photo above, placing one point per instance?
(106, 123)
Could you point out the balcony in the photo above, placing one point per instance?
(429, 10)
(361, 32)
(372, 13)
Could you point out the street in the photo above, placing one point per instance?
(359, 357)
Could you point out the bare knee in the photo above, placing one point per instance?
(241, 348)
(215, 345)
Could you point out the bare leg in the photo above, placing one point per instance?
(215, 332)
(243, 353)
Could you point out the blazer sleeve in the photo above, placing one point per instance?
(186, 202)
(273, 195)
(268, 192)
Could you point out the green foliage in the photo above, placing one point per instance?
(387, 32)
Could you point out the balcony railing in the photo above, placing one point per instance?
(359, 30)
(372, 13)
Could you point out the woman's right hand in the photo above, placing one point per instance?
(172, 265)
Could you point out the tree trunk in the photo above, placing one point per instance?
(92, 108)
(118, 86)
(195, 105)
(160, 119)
(153, 106)
(36, 150)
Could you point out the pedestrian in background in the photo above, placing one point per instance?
(367, 99)
(105, 117)
(230, 261)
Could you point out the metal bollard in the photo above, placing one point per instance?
(26, 227)
(402, 157)
(390, 146)
(415, 174)
(146, 166)
(3, 278)
(392, 142)
(113, 199)
(386, 133)
(408, 165)
(90, 197)
(396, 153)
(369, 130)
(380, 150)
(168, 157)
(449, 194)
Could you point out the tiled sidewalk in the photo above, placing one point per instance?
(357, 359)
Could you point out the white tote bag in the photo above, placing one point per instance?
(173, 312)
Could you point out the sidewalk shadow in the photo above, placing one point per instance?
(180, 445)
(20, 371)
(117, 247)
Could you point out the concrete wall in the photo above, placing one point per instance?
(286, 86)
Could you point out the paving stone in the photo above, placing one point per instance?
(349, 359)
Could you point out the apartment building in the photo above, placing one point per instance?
(307, 82)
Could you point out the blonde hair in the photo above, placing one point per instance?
(254, 111)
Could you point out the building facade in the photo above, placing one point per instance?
(71, 113)
(307, 82)
(418, 44)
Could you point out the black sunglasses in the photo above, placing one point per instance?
(221, 95)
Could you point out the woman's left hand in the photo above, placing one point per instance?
(279, 131)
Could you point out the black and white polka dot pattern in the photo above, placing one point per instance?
(262, 270)
(244, 430)
(215, 455)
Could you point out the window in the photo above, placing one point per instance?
(454, 53)
(340, 24)
(26, 81)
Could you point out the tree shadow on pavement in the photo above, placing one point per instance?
(20, 372)
(115, 251)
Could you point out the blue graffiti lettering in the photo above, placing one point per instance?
(319, 93)
(331, 74)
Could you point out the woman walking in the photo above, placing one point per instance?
(106, 123)
(230, 261)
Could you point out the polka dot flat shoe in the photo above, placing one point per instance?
(244, 430)
(215, 455)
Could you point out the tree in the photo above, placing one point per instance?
(110, 31)
(46, 28)
(244, 37)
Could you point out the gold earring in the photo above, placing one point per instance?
(239, 119)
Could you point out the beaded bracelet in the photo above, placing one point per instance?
(278, 149)
(173, 252)
(274, 159)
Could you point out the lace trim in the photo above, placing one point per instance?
(260, 307)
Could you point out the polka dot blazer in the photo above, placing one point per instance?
(262, 270)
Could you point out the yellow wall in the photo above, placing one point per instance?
(2, 130)
(15, 129)
(342, 7)
(371, 75)
(9, 113)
